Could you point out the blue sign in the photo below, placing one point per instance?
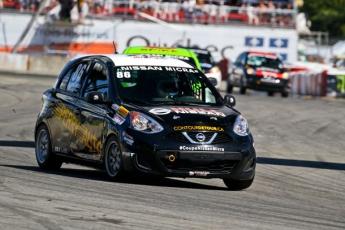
(254, 41)
(279, 42)
(283, 56)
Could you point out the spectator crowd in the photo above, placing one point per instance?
(256, 12)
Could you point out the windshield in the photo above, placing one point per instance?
(264, 61)
(165, 85)
(205, 58)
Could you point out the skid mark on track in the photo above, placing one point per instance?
(45, 222)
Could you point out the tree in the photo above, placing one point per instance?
(326, 16)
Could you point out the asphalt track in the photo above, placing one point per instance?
(300, 179)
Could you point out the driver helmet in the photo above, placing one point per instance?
(167, 88)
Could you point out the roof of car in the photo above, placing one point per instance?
(263, 53)
(166, 51)
(158, 50)
(130, 60)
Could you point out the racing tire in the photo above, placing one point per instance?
(45, 157)
(285, 93)
(270, 93)
(229, 88)
(113, 159)
(238, 184)
(242, 88)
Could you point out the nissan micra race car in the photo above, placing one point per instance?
(143, 114)
(261, 71)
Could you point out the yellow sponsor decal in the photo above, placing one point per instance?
(70, 121)
(122, 111)
(197, 127)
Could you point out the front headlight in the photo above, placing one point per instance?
(214, 70)
(144, 123)
(250, 71)
(285, 75)
(241, 127)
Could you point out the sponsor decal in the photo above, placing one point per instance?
(146, 56)
(201, 173)
(60, 150)
(201, 148)
(198, 111)
(115, 107)
(198, 127)
(127, 138)
(122, 111)
(71, 122)
(158, 68)
(160, 111)
(118, 119)
(198, 173)
(141, 68)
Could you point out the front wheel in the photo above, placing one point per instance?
(45, 157)
(285, 93)
(242, 87)
(238, 184)
(229, 87)
(113, 159)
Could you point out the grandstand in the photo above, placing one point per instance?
(276, 13)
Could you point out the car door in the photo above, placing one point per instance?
(88, 145)
(63, 122)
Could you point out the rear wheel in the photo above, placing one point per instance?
(45, 157)
(238, 184)
(113, 159)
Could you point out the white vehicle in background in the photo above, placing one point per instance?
(208, 65)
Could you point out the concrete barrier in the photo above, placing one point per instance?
(309, 83)
(26, 64)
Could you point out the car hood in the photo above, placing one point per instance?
(188, 115)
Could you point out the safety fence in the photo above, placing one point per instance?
(327, 82)
(309, 83)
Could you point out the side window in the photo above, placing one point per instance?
(97, 80)
(72, 80)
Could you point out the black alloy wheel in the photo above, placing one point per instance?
(45, 157)
(113, 159)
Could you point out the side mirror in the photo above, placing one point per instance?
(230, 100)
(96, 98)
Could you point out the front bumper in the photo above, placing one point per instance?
(235, 160)
(266, 84)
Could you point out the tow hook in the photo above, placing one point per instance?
(171, 157)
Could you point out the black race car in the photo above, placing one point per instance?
(144, 114)
(259, 71)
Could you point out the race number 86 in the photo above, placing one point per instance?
(123, 74)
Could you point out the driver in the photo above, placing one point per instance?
(167, 88)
